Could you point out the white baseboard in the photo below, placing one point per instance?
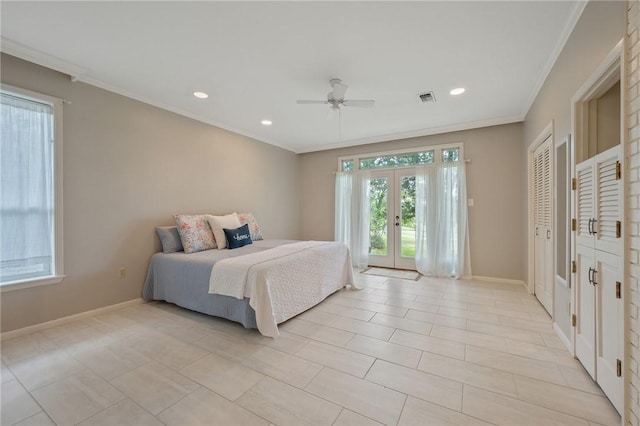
(563, 338)
(64, 320)
(498, 280)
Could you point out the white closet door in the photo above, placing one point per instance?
(543, 248)
(608, 202)
(585, 308)
(609, 312)
(585, 199)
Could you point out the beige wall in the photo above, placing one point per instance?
(598, 30)
(608, 119)
(494, 179)
(128, 167)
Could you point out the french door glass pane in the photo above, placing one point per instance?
(378, 190)
(408, 216)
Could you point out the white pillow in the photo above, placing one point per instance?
(217, 223)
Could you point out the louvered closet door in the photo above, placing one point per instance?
(608, 202)
(584, 203)
(543, 250)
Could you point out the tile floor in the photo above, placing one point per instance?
(431, 352)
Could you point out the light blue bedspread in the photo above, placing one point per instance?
(183, 279)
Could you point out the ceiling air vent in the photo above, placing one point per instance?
(427, 97)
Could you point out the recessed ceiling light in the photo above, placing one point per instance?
(267, 122)
(457, 91)
(200, 95)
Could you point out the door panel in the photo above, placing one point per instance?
(609, 313)
(543, 239)
(608, 207)
(585, 309)
(392, 219)
(381, 225)
(405, 223)
(585, 198)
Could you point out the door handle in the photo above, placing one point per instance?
(397, 224)
(594, 226)
(592, 276)
(589, 227)
(537, 231)
(548, 234)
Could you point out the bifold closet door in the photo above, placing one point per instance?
(543, 225)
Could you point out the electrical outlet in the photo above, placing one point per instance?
(122, 272)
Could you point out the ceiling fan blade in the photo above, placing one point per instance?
(306, 101)
(359, 103)
(339, 90)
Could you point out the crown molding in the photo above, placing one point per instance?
(21, 51)
(78, 73)
(114, 89)
(415, 133)
(553, 57)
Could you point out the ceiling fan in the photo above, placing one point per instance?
(336, 99)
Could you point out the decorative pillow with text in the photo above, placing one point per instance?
(238, 237)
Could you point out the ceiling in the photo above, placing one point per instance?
(255, 59)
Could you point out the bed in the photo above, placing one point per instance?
(259, 285)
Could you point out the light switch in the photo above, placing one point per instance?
(470, 202)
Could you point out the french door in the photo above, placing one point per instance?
(392, 229)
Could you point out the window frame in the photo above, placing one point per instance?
(437, 156)
(58, 254)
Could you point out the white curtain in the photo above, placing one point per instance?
(26, 189)
(352, 215)
(442, 232)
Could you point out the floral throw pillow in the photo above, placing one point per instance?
(254, 228)
(195, 233)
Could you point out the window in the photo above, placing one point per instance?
(347, 165)
(397, 160)
(402, 158)
(30, 195)
(450, 155)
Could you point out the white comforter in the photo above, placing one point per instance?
(284, 281)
